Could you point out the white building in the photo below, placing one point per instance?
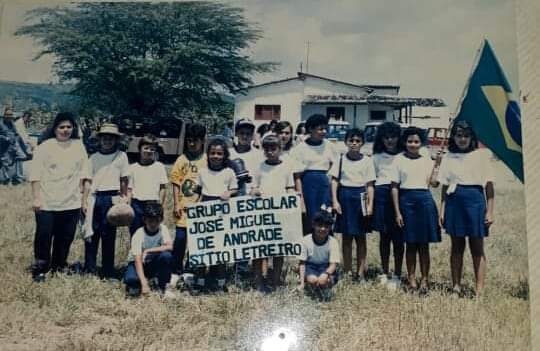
(295, 99)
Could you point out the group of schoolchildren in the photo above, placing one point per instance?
(348, 193)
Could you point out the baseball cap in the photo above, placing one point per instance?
(243, 123)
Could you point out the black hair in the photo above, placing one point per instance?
(299, 127)
(218, 142)
(411, 131)
(452, 147)
(282, 126)
(62, 117)
(195, 131)
(386, 129)
(153, 209)
(263, 128)
(323, 217)
(271, 140)
(315, 121)
(354, 132)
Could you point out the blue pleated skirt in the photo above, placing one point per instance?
(420, 216)
(316, 191)
(350, 222)
(465, 212)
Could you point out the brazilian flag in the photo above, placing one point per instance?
(494, 116)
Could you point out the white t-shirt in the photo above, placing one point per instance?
(274, 179)
(353, 173)
(215, 183)
(145, 181)
(471, 168)
(315, 157)
(251, 158)
(383, 163)
(320, 254)
(106, 170)
(59, 168)
(412, 173)
(142, 241)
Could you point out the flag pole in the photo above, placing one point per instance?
(438, 158)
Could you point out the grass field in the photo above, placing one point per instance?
(81, 313)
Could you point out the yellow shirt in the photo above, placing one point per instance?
(184, 174)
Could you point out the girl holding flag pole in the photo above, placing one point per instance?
(466, 200)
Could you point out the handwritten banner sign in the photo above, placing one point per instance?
(243, 228)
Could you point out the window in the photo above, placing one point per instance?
(335, 113)
(267, 112)
(377, 115)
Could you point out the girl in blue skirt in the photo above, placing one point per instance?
(466, 201)
(416, 212)
(315, 155)
(385, 150)
(353, 176)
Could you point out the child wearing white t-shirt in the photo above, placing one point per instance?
(109, 171)
(467, 195)
(150, 253)
(216, 182)
(319, 257)
(273, 177)
(147, 180)
(414, 206)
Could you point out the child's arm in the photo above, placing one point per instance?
(124, 186)
(302, 270)
(335, 203)
(177, 211)
(162, 194)
(298, 187)
(139, 268)
(395, 201)
(490, 195)
(370, 197)
(443, 201)
(167, 246)
(85, 186)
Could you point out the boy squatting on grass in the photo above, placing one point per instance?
(150, 254)
(320, 256)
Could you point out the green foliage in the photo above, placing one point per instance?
(148, 59)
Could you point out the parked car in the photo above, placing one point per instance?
(336, 133)
(169, 131)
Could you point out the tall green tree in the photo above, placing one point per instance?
(148, 59)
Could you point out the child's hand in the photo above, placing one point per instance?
(225, 196)
(302, 205)
(145, 288)
(369, 211)
(441, 220)
(399, 220)
(36, 205)
(255, 192)
(489, 219)
(177, 211)
(337, 207)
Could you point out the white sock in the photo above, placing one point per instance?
(221, 282)
(200, 281)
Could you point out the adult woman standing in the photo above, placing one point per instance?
(466, 201)
(57, 175)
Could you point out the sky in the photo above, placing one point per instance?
(425, 46)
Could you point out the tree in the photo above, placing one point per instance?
(148, 59)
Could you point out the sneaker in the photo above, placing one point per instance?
(133, 292)
(175, 278)
(382, 279)
(394, 283)
(168, 294)
(39, 278)
(326, 295)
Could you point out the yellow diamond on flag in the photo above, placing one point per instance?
(498, 99)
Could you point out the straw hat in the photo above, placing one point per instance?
(109, 128)
(120, 215)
